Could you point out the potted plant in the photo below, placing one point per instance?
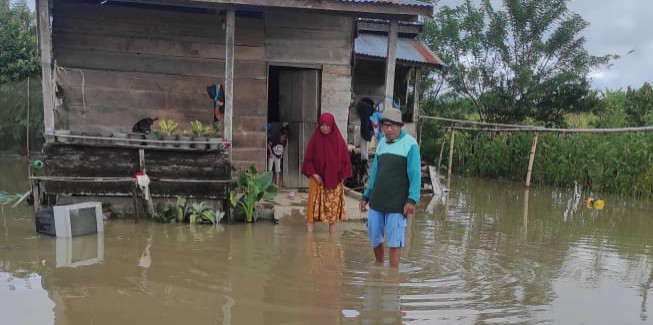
(199, 134)
(215, 139)
(184, 140)
(253, 188)
(120, 137)
(168, 129)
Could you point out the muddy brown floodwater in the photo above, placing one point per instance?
(487, 253)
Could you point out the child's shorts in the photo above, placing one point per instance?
(274, 162)
(393, 225)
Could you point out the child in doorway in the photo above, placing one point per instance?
(275, 153)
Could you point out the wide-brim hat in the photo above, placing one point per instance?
(392, 115)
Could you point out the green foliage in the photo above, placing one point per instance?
(198, 129)
(18, 50)
(526, 61)
(612, 163)
(181, 208)
(254, 187)
(630, 108)
(168, 126)
(199, 212)
(181, 211)
(13, 108)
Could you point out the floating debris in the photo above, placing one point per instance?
(6, 198)
(595, 203)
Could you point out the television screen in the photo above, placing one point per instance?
(83, 221)
(78, 219)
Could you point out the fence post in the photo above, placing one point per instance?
(531, 158)
(453, 132)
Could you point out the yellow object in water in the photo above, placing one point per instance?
(595, 203)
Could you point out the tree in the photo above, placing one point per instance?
(18, 49)
(526, 61)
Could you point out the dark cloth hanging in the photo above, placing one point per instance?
(365, 109)
(216, 93)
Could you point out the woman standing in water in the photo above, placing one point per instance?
(327, 165)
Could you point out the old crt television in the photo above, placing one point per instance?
(78, 219)
(71, 220)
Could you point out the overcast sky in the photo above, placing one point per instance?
(616, 27)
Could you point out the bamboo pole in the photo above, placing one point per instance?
(440, 156)
(531, 158)
(453, 132)
(525, 215)
(27, 125)
(531, 128)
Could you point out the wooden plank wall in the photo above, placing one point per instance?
(116, 65)
(315, 39)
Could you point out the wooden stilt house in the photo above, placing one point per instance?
(107, 64)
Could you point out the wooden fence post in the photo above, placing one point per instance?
(531, 158)
(453, 132)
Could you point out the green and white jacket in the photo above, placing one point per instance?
(396, 176)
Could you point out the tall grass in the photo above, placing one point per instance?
(615, 163)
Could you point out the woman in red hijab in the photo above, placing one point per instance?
(327, 165)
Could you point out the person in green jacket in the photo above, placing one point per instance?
(393, 188)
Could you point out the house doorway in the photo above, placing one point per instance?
(293, 102)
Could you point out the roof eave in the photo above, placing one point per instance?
(358, 9)
(403, 62)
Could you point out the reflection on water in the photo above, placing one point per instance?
(486, 253)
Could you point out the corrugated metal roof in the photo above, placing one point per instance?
(394, 2)
(408, 49)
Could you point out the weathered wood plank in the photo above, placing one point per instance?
(162, 47)
(102, 60)
(243, 157)
(296, 42)
(45, 48)
(280, 19)
(249, 139)
(337, 69)
(154, 24)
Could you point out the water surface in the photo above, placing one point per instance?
(488, 253)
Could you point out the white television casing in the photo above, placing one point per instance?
(69, 218)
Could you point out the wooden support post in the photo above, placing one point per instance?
(36, 194)
(525, 220)
(453, 133)
(440, 157)
(531, 158)
(390, 65)
(135, 200)
(45, 47)
(230, 25)
(418, 80)
(141, 159)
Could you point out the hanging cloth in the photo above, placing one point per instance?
(216, 93)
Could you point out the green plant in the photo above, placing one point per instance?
(254, 187)
(168, 126)
(181, 208)
(198, 129)
(199, 212)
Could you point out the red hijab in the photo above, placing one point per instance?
(327, 154)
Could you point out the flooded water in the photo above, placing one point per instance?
(488, 253)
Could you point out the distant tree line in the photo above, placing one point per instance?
(526, 63)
